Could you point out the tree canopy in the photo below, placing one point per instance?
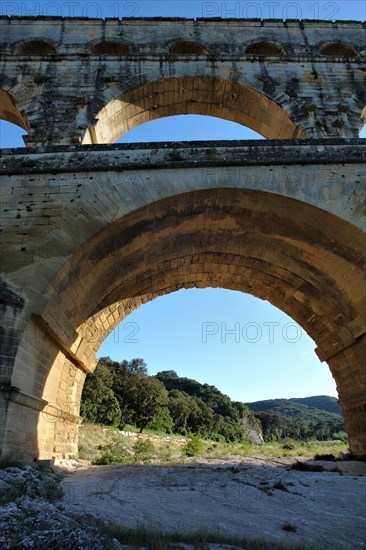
(123, 393)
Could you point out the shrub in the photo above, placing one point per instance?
(193, 447)
(340, 436)
(144, 451)
(288, 444)
(165, 456)
(112, 455)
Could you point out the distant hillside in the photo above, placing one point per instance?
(299, 408)
(323, 402)
(317, 417)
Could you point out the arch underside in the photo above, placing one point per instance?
(272, 247)
(192, 95)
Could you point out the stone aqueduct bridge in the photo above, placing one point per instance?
(91, 230)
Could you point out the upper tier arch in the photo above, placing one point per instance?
(192, 95)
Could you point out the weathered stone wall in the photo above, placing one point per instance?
(76, 80)
(42, 404)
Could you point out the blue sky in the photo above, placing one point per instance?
(247, 348)
(264, 9)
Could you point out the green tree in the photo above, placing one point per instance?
(163, 422)
(98, 403)
(122, 377)
(167, 374)
(229, 429)
(201, 418)
(147, 398)
(122, 392)
(179, 408)
(136, 366)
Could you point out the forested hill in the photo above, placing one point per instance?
(317, 417)
(123, 393)
(300, 407)
(322, 402)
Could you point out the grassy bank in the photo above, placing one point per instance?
(96, 442)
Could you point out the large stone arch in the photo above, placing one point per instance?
(302, 259)
(192, 94)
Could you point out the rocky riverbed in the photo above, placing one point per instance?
(260, 498)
